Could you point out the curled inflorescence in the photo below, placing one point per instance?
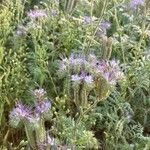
(88, 68)
(104, 25)
(135, 3)
(31, 115)
(37, 13)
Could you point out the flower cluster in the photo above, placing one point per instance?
(37, 13)
(39, 94)
(105, 25)
(31, 115)
(33, 120)
(135, 3)
(87, 19)
(82, 77)
(42, 106)
(54, 12)
(87, 75)
(110, 70)
(89, 68)
(20, 112)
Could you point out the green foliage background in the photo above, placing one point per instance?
(30, 61)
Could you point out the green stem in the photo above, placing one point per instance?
(120, 35)
(41, 132)
(30, 136)
(55, 89)
(96, 28)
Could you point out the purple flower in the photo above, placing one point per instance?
(20, 111)
(114, 63)
(110, 70)
(76, 77)
(87, 68)
(42, 106)
(83, 76)
(88, 79)
(76, 63)
(74, 59)
(39, 93)
(105, 25)
(135, 3)
(87, 19)
(109, 78)
(37, 13)
(54, 12)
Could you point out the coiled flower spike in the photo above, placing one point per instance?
(135, 3)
